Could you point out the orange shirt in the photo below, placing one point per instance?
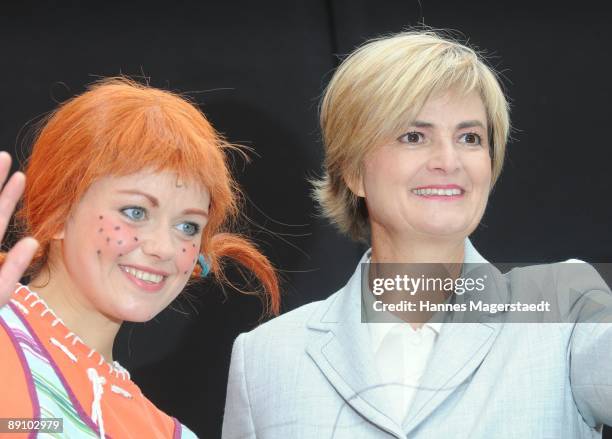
(47, 371)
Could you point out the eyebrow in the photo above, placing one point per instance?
(155, 202)
(460, 126)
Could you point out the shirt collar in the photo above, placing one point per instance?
(471, 255)
(378, 331)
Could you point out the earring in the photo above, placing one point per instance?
(205, 266)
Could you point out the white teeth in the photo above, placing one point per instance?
(433, 191)
(143, 275)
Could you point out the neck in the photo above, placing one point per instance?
(431, 257)
(95, 329)
(387, 248)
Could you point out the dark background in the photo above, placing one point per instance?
(257, 69)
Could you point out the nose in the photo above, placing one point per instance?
(158, 243)
(444, 157)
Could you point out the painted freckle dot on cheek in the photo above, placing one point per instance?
(107, 239)
(135, 238)
(119, 242)
(98, 252)
(101, 217)
(101, 230)
(117, 227)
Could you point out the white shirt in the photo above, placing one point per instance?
(401, 355)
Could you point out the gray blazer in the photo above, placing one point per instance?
(311, 373)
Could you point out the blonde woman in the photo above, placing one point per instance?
(415, 128)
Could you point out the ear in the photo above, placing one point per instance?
(355, 184)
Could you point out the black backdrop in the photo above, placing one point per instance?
(257, 69)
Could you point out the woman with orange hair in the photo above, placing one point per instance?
(129, 196)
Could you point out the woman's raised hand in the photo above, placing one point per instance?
(19, 257)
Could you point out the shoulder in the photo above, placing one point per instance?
(293, 319)
(573, 273)
(286, 334)
(284, 327)
(155, 420)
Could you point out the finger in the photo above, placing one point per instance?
(17, 261)
(5, 166)
(8, 199)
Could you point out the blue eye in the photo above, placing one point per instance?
(135, 213)
(189, 229)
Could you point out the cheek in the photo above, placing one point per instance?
(187, 257)
(113, 238)
(480, 170)
(386, 183)
(481, 176)
(391, 170)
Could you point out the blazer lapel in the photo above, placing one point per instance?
(459, 350)
(460, 347)
(340, 346)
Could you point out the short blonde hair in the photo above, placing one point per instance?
(375, 91)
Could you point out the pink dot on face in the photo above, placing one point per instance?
(186, 258)
(120, 238)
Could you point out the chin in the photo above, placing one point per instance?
(136, 313)
(444, 230)
(446, 226)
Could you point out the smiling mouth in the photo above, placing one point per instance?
(145, 276)
(438, 192)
